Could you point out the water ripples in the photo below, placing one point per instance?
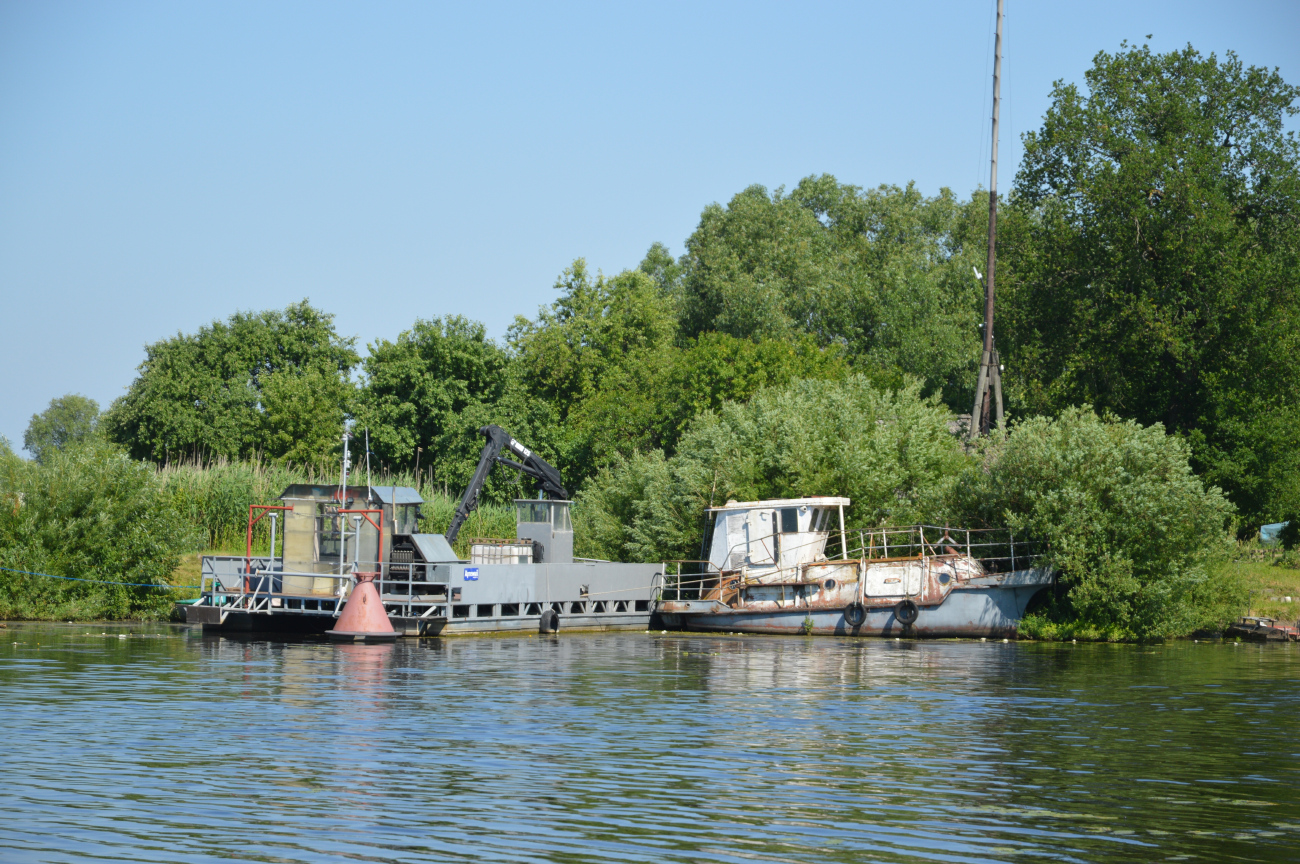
(169, 746)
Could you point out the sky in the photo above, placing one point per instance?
(163, 165)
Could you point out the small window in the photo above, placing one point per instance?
(329, 535)
(533, 511)
(790, 521)
(405, 522)
(561, 517)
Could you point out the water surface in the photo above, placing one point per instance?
(155, 743)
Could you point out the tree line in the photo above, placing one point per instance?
(822, 340)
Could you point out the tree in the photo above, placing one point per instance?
(88, 511)
(886, 274)
(594, 325)
(1157, 273)
(1119, 512)
(599, 356)
(418, 391)
(889, 449)
(274, 383)
(71, 418)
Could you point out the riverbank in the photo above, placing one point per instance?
(1274, 584)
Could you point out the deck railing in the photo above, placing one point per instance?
(996, 549)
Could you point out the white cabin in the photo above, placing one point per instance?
(775, 535)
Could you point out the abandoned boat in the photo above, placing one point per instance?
(768, 572)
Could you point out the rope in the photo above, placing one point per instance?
(98, 581)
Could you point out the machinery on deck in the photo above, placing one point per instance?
(533, 465)
(334, 537)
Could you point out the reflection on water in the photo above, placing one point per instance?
(169, 746)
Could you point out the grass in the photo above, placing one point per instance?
(1271, 578)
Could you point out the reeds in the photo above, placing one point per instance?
(215, 497)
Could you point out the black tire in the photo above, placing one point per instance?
(549, 622)
(906, 612)
(855, 614)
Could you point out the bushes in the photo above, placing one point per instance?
(889, 450)
(87, 511)
(1134, 533)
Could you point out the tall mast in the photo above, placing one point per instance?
(988, 389)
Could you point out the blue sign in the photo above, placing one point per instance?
(471, 574)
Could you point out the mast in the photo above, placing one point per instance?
(988, 389)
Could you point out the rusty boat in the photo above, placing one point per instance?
(768, 571)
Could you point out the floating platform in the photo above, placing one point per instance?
(531, 583)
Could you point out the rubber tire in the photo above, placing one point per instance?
(855, 614)
(549, 622)
(906, 611)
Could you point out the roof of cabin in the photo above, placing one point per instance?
(397, 495)
(776, 503)
(383, 494)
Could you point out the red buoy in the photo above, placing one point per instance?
(364, 618)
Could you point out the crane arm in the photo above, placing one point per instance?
(530, 463)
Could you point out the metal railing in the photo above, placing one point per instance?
(410, 589)
(996, 549)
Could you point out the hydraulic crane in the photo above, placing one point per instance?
(530, 463)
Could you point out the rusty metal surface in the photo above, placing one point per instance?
(965, 613)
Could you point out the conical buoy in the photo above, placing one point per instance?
(363, 618)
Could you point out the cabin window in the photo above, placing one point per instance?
(533, 511)
(560, 514)
(789, 520)
(328, 535)
(405, 521)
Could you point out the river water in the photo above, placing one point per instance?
(155, 743)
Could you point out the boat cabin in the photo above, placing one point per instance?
(328, 530)
(777, 534)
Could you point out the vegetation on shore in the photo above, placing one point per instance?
(819, 340)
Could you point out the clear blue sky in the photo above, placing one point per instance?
(165, 164)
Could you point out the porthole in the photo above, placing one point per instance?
(944, 578)
(829, 585)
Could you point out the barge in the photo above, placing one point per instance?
(529, 583)
(768, 572)
(334, 537)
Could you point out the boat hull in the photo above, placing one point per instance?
(975, 612)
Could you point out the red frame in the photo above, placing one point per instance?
(248, 550)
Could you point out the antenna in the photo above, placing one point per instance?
(988, 389)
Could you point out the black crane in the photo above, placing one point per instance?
(530, 463)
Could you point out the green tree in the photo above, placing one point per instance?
(595, 324)
(275, 383)
(1118, 511)
(1155, 272)
(417, 389)
(87, 511)
(889, 449)
(69, 419)
(885, 273)
(598, 356)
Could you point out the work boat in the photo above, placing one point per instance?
(768, 572)
(531, 581)
(326, 537)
